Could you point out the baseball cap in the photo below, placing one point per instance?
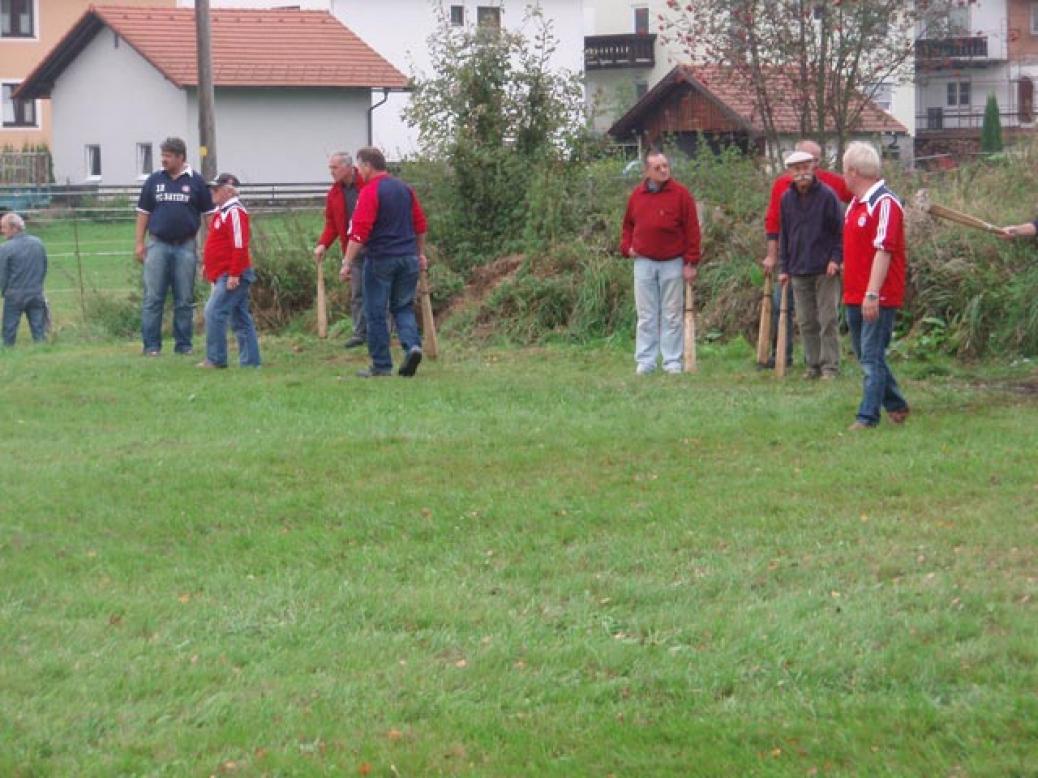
(797, 157)
(226, 179)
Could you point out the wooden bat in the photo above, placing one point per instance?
(690, 328)
(781, 348)
(431, 346)
(764, 333)
(322, 303)
(962, 218)
(922, 201)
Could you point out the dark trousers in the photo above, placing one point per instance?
(391, 280)
(869, 341)
(360, 322)
(34, 306)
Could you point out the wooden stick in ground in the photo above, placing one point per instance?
(430, 346)
(764, 332)
(782, 347)
(690, 328)
(322, 303)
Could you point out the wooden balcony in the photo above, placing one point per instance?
(604, 52)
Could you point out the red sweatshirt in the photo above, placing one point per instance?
(337, 214)
(227, 244)
(874, 223)
(772, 219)
(661, 225)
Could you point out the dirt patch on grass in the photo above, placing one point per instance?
(485, 279)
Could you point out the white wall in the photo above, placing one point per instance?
(112, 97)
(275, 135)
(398, 30)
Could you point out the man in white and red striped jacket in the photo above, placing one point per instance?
(228, 268)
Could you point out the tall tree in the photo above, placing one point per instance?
(824, 58)
(991, 132)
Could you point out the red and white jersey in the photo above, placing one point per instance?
(227, 245)
(874, 223)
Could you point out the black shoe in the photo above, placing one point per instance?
(353, 341)
(186, 352)
(370, 372)
(414, 358)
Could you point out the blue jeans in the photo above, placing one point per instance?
(35, 308)
(231, 304)
(168, 264)
(659, 295)
(393, 280)
(869, 341)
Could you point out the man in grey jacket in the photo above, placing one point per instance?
(23, 267)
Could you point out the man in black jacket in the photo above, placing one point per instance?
(810, 257)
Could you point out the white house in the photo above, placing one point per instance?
(990, 47)
(291, 87)
(399, 31)
(626, 55)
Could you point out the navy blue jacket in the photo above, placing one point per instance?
(812, 230)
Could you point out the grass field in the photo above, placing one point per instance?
(519, 563)
(106, 257)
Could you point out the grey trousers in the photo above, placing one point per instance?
(817, 299)
(360, 322)
(34, 306)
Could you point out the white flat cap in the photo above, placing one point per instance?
(797, 157)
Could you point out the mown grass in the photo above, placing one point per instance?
(520, 563)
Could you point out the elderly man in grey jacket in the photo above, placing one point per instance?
(23, 267)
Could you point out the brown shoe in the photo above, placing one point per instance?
(898, 417)
(857, 426)
(207, 365)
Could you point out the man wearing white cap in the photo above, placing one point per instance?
(810, 258)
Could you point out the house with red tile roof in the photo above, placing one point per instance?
(291, 87)
(717, 104)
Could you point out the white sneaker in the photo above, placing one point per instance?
(644, 370)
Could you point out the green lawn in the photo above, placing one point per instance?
(519, 563)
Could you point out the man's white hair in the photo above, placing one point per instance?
(13, 220)
(863, 159)
(343, 157)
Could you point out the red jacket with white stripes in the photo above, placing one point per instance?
(874, 223)
(227, 245)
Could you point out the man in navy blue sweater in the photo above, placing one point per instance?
(169, 211)
(390, 224)
(810, 257)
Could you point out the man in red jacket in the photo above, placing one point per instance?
(874, 281)
(228, 268)
(772, 227)
(340, 203)
(661, 234)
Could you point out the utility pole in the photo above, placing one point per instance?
(206, 99)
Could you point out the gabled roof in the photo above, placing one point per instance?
(250, 47)
(734, 95)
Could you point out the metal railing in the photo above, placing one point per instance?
(940, 119)
(937, 50)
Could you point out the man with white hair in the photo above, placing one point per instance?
(23, 268)
(810, 256)
(874, 281)
(772, 228)
(340, 203)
